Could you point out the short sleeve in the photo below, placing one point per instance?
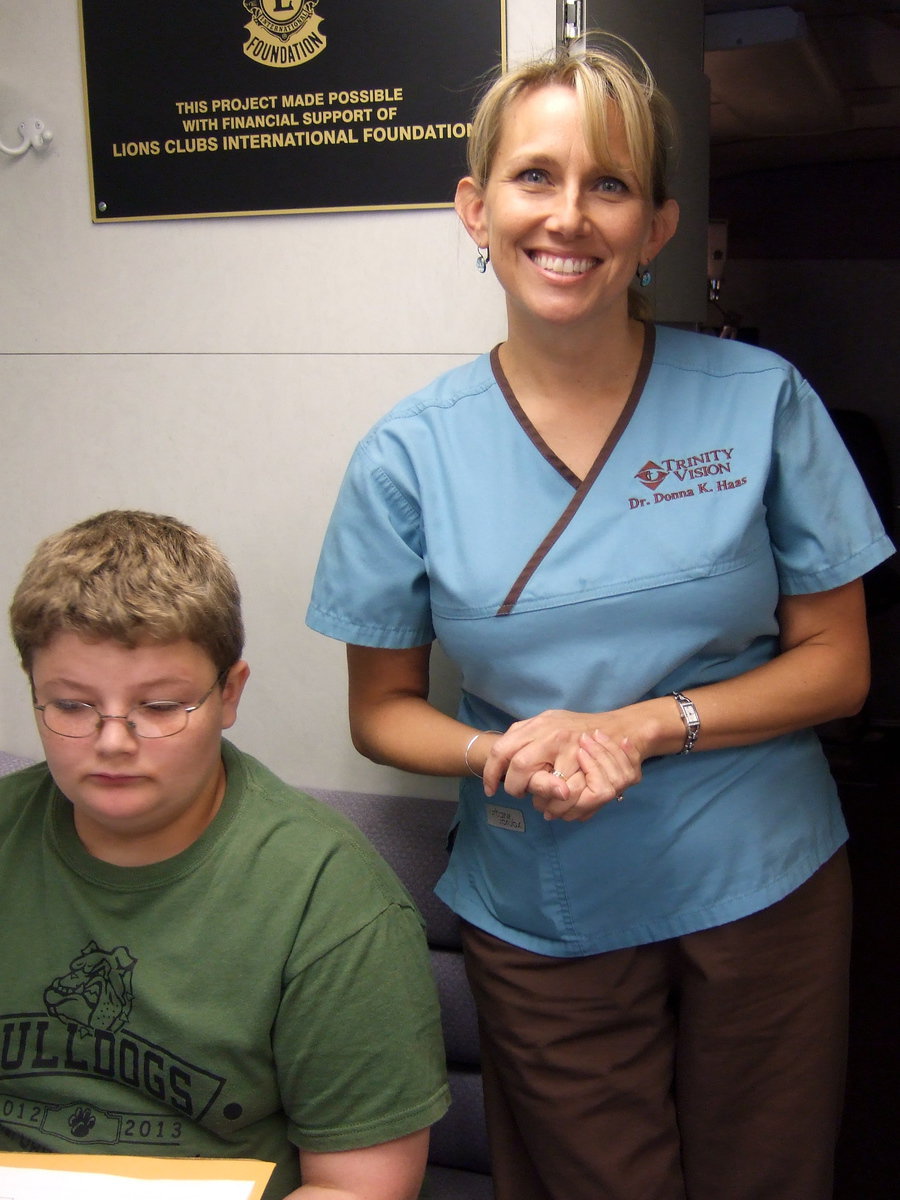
(358, 1039)
(371, 586)
(824, 528)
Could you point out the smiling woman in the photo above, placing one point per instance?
(567, 230)
(627, 626)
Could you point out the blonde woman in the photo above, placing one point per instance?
(642, 548)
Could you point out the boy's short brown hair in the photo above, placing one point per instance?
(133, 577)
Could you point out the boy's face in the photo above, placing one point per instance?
(137, 800)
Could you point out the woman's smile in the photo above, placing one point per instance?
(558, 264)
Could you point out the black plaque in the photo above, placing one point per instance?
(235, 107)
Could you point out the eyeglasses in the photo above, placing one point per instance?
(153, 719)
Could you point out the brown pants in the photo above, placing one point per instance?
(707, 1067)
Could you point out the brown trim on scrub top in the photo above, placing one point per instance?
(581, 486)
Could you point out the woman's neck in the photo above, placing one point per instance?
(589, 363)
(574, 394)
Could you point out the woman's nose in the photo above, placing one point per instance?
(568, 216)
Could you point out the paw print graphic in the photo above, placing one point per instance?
(81, 1122)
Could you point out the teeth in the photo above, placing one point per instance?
(563, 266)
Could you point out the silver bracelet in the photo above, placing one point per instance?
(691, 719)
(471, 742)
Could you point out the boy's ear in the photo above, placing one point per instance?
(232, 690)
(469, 206)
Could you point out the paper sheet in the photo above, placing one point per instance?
(105, 1177)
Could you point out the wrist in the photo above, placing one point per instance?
(690, 719)
(476, 752)
(657, 729)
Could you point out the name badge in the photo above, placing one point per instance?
(506, 818)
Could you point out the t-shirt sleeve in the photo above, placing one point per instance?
(371, 585)
(358, 1039)
(824, 528)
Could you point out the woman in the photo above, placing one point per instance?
(642, 548)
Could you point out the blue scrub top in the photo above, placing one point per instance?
(725, 486)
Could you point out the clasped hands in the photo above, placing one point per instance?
(568, 764)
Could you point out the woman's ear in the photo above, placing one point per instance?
(662, 226)
(469, 206)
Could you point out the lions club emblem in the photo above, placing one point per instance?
(283, 33)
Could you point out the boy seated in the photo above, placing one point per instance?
(195, 959)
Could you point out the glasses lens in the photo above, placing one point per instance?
(70, 718)
(161, 718)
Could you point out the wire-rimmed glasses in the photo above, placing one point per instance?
(151, 719)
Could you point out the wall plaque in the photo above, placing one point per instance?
(236, 107)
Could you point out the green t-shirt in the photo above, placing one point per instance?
(267, 988)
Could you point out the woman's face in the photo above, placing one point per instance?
(566, 233)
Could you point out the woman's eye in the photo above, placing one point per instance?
(612, 186)
(533, 175)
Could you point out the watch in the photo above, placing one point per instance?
(691, 719)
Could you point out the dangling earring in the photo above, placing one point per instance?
(482, 259)
(644, 275)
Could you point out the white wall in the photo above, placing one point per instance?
(217, 369)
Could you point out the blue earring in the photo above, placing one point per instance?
(482, 258)
(644, 276)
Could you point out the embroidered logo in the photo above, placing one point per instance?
(651, 475)
(697, 470)
(283, 33)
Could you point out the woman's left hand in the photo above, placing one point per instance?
(605, 769)
(566, 763)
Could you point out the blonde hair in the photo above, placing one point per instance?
(133, 577)
(612, 72)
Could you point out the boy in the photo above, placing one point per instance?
(195, 959)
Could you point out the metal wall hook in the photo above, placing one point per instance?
(33, 132)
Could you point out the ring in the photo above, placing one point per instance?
(619, 799)
(558, 774)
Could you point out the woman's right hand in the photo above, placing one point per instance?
(606, 769)
(568, 765)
